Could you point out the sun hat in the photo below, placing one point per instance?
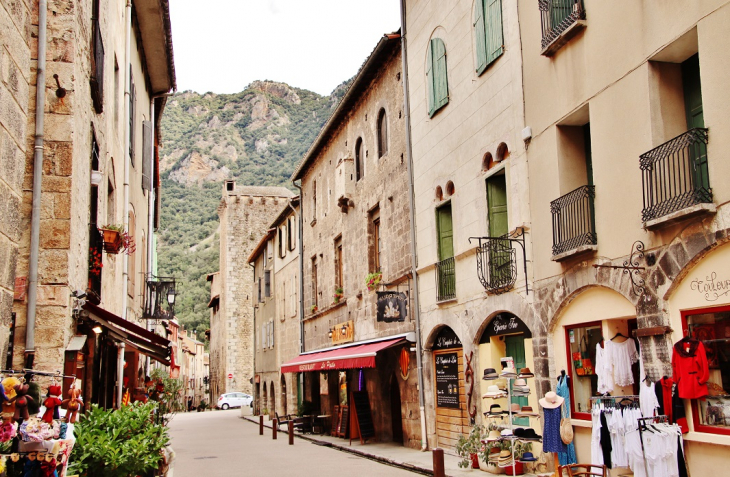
(520, 382)
(525, 373)
(551, 400)
(527, 411)
(493, 392)
(506, 433)
(528, 457)
(530, 434)
(489, 374)
(495, 410)
(515, 408)
(494, 435)
(508, 372)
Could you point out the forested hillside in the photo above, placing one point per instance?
(256, 137)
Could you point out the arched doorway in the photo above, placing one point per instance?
(396, 415)
(283, 395)
(452, 418)
(265, 400)
(272, 396)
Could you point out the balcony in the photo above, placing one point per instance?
(97, 69)
(574, 223)
(496, 264)
(675, 179)
(561, 20)
(446, 279)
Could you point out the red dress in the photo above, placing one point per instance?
(690, 369)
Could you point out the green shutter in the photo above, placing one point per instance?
(495, 40)
(480, 35)
(440, 83)
(429, 79)
(445, 232)
(695, 118)
(515, 347)
(500, 258)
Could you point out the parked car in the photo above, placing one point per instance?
(229, 400)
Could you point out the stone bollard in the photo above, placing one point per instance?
(291, 432)
(438, 463)
(274, 425)
(261, 425)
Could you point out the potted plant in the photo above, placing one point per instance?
(112, 236)
(339, 294)
(314, 309)
(468, 447)
(95, 262)
(203, 405)
(372, 281)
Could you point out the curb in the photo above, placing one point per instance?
(349, 450)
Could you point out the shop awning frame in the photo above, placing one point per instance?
(355, 356)
(147, 342)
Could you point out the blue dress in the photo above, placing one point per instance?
(551, 441)
(567, 457)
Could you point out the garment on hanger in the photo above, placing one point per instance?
(647, 399)
(690, 369)
(605, 441)
(615, 422)
(670, 403)
(622, 356)
(596, 451)
(603, 369)
(658, 456)
(551, 441)
(562, 390)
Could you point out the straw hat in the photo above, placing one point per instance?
(494, 435)
(493, 392)
(508, 373)
(551, 400)
(495, 410)
(527, 411)
(489, 374)
(526, 373)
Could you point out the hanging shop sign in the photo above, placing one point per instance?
(447, 339)
(711, 287)
(505, 324)
(447, 380)
(392, 306)
(343, 332)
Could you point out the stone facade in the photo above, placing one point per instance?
(15, 35)
(245, 214)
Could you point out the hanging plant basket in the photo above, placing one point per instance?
(113, 240)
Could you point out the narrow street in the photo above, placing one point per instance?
(220, 443)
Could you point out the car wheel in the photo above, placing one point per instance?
(224, 406)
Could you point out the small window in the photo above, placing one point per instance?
(382, 133)
(314, 290)
(439, 193)
(314, 200)
(359, 160)
(132, 117)
(450, 189)
(267, 283)
(502, 152)
(339, 266)
(438, 87)
(488, 162)
(282, 247)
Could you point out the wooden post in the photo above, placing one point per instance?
(274, 425)
(261, 425)
(291, 432)
(557, 465)
(438, 463)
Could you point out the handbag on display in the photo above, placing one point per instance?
(566, 431)
(585, 354)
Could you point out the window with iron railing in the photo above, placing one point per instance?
(674, 176)
(574, 223)
(446, 279)
(557, 17)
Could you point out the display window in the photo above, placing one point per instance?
(711, 327)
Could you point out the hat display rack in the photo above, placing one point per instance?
(509, 373)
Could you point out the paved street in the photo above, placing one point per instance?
(220, 443)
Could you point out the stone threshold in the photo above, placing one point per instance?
(573, 252)
(687, 212)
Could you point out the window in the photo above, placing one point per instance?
(338, 263)
(438, 87)
(116, 95)
(132, 261)
(293, 297)
(359, 160)
(282, 248)
(111, 203)
(382, 133)
(314, 282)
(488, 32)
(314, 201)
(267, 283)
(290, 222)
(261, 297)
(132, 119)
(711, 327)
(375, 240)
(500, 255)
(97, 61)
(445, 268)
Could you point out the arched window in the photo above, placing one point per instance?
(438, 86)
(359, 163)
(382, 133)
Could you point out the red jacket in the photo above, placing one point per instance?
(689, 368)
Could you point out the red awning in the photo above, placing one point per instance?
(358, 356)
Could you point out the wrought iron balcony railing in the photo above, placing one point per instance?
(557, 16)
(445, 279)
(574, 222)
(496, 264)
(674, 176)
(97, 67)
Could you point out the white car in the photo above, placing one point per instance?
(229, 400)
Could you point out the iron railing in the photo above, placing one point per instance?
(496, 264)
(97, 69)
(557, 15)
(445, 279)
(674, 175)
(574, 222)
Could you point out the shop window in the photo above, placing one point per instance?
(711, 327)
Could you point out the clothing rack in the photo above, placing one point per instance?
(57, 374)
(608, 397)
(642, 426)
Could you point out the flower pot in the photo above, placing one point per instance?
(474, 461)
(112, 240)
(518, 469)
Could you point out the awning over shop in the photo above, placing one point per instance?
(358, 356)
(147, 342)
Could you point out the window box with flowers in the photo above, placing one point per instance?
(116, 240)
(314, 309)
(372, 281)
(339, 295)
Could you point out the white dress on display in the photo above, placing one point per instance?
(623, 355)
(603, 369)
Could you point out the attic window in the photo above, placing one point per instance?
(230, 186)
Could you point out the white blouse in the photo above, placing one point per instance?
(603, 370)
(622, 355)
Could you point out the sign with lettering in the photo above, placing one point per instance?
(447, 380)
(505, 324)
(392, 306)
(343, 332)
(711, 287)
(447, 339)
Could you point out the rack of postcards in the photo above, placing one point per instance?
(515, 386)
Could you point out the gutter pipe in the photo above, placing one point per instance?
(35, 224)
(411, 209)
(300, 245)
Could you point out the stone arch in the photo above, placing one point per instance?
(431, 338)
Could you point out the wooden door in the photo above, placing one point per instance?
(695, 118)
(515, 347)
(451, 421)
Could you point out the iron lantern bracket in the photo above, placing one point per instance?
(632, 269)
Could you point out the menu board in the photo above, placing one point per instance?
(447, 380)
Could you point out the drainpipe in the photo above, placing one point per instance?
(411, 209)
(253, 378)
(301, 268)
(127, 133)
(35, 224)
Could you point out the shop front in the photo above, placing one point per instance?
(450, 396)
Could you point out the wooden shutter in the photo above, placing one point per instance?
(132, 101)
(440, 82)
(493, 20)
(480, 35)
(146, 155)
(497, 204)
(267, 283)
(445, 232)
(430, 80)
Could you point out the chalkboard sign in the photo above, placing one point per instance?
(447, 380)
(363, 415)
(344, 421)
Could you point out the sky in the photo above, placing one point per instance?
(224, 45)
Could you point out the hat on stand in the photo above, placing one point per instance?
(520, 386)
(515, 408)
(551, 400)
(494, 455)
(529, 434)
(505, 458)
(508, 372)
(506, 433)
(528, 457)
(489, 374)
(495, 410)
(494, 435)
(493, 392)
(525, 373)
(527, 411)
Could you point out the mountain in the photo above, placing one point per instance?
(256, 137)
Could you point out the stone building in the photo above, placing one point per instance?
(471, 204)
(245, 213)
(106, 69)
(627, 168)
(356, 225)
(192, 367)
(15, 80)
(275, 261)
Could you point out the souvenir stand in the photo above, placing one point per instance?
(509, 374)
(42, 441)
